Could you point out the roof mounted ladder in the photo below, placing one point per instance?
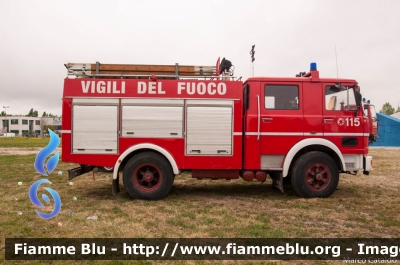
(140, 71)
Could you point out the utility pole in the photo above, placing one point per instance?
(337, 68)
(5, 115)
(252, 52)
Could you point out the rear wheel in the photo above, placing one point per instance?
(315, 174)
(148, 176)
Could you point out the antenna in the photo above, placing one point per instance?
(337, 68)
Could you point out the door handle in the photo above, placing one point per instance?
(328, 120)
(267, 119)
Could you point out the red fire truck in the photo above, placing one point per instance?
(152, 122)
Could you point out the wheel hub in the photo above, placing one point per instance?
(318, 176)
(148, 176)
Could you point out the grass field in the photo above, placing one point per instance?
(24, 142)
(362, 206)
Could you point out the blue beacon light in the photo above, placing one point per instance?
(313, 66)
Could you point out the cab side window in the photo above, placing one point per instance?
(281, 97)
(340, 100)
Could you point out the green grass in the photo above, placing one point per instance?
(201, 209)
(24, 142)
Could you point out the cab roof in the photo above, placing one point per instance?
(300, 79)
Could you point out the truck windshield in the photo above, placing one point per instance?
(340, 100)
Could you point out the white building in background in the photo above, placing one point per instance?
(396, 115)
(24, 125)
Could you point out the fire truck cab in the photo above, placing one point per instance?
(151, 126)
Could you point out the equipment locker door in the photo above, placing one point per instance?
(95, 126)
(280, 121)
(209, 127)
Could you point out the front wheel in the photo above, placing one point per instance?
(315, 174)
(148, 176)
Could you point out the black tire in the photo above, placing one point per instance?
(315, 174)
(148, 176)
(287, 180)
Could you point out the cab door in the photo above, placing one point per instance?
(281, 121)
(340, 124)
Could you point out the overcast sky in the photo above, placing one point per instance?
(39, 37)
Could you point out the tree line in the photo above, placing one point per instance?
(32, 113)
(388, 109)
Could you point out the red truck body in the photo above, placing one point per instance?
(307, 129)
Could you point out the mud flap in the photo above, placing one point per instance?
(94, 171)
(115, 186)
(277, 181)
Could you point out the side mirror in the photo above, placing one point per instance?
(335, 88)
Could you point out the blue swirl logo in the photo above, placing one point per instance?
(45, 152)
(50, 165)
(35, 200)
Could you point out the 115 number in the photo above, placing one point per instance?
(352, 122)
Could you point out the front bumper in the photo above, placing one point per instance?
(367, 164)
